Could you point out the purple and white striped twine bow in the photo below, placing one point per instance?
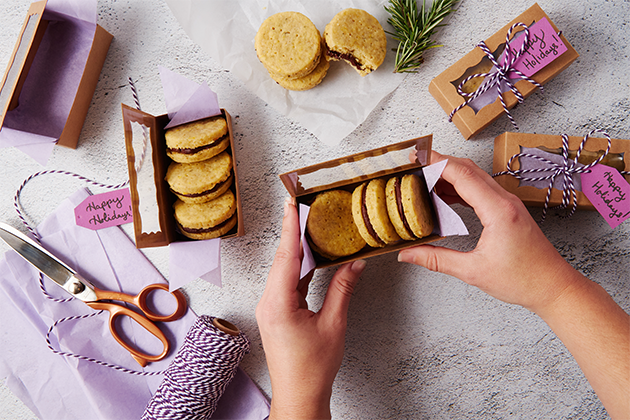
(500, 76)
(196, 379)
(35, 235)
(567, 169)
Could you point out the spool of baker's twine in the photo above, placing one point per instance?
(202, 369)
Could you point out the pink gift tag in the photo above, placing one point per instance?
(609, 192)
(544, 47)
(99, 211)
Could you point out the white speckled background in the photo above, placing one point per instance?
(419, 344)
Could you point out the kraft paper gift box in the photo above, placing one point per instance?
(510, 144)
(479, 113)
(52, 74)
(348, 172)
(151, 198)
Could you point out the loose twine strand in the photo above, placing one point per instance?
(204, 365)
(566, 170)
(36, 236)
(496, 79)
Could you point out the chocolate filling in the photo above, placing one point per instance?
(210, 191)
(347, 57)
(399, 204)
(366, 219)
(206, 230)
(196, 149)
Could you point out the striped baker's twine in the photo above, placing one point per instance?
(33, 232)
(145, 130)
(90, 359)
(500, 76)
(36, 236)
(196, 379)
(566, 169)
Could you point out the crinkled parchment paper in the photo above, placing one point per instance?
(225, 29)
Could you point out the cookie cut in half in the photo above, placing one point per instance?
(288, 44)
(207, 220)
(369, 209)
(203, 181)
(409, 206)
(357, 37)
(197, 140)
(331, 229)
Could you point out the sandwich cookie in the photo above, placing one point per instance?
(207, 220)
(309, 81)
(369, 209)
(331, 229)
(288, 44)
(356, 37)
(409, 207)
(203, 181)
(197, 140)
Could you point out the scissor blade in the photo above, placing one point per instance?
(35, 254)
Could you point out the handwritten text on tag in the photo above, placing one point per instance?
(609, 192)
(99, 211)
(544, 47)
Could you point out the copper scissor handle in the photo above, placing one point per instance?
(145, 320)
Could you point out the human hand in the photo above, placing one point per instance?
(304, 349)
(513, 260)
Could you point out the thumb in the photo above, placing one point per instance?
(340, 290)
(435, 258)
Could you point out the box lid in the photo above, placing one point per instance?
(358, 167)
(20, 62)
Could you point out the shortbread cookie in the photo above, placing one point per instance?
(288, 44)
(358, 38)
(203, 181)
(473, 84)
(207, 220)
(331, 229)
(197, 140)
(409, 206)
(309, 81)
(369, 209)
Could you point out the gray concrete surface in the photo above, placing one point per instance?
(419, 344)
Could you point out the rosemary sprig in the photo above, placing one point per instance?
(413, 30)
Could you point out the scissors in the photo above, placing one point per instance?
(69, 280)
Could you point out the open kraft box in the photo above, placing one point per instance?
(444, 86)
(350, 171)
(509, 144)
(62, 77)
(151, 198)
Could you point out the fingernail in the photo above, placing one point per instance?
(402, 257)
(287, 202)
(358, 266)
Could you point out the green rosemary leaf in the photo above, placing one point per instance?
(413, 30)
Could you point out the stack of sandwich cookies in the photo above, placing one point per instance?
(369, 210)
(307, 82)
(290, 47)
(197, 140)
(357, 38)
(203, 181)
(207, 220)
(297, 57)
(409, 207)
(201, 177)
(330, 226)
